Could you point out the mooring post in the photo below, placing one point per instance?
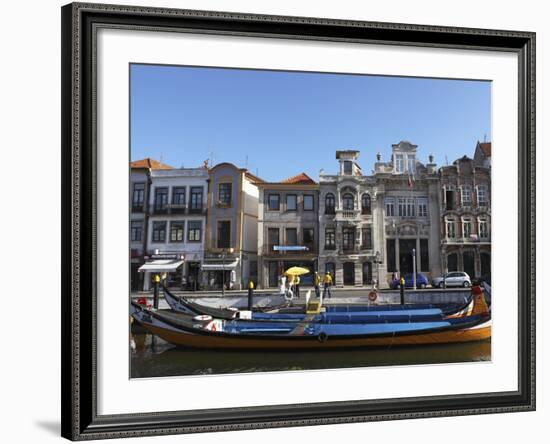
(250, 294)
(402, 290)
(156, 281)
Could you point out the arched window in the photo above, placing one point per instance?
(329, 203)
(365, 204)
(347, 201)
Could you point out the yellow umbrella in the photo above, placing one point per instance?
(297, 271)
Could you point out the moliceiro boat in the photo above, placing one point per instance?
(345, 313)
(205, 331)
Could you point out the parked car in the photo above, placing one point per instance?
(421, 281)
(453, 279)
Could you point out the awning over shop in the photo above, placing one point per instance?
(161, 265)
(219, 266)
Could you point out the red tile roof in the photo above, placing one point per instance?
(486, 148)
(300, 179)
(150, 163)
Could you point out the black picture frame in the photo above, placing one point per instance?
(79, 171)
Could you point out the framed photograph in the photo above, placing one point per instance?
(275, 221)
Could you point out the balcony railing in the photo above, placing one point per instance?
(177, 209)
(137, 208)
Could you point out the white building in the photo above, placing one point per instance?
(350, 215)
(408, 197)
(177, 222)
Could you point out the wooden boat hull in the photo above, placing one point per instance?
(188, 332)
(478, 333)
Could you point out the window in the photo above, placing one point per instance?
(224, 234)
(365, 204)
(449, 198)
(329, 203)
(390, 206)
(224, 194)
(291, 202)
(176, 231)
(450, 228)
(410, 207)
(159, 231)
(422, 207)
(483, 229)
(406, 206)
(272, 238)
(348, 238)
(466, 195)
(308, 238)
(138, 196)
(424, 255)
(194, 229)
(196, 199)
(348, 167)
(308, 202)
(482, 195)
(291, 235)
(330, 238)
(347, 201)
(399, 163)
(273, 202)
(466, 228)
(401, 206)
(136, 227)
(366, 238)
(411, 164)
(178, 195)
(161, 199)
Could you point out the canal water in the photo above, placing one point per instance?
(153, 357)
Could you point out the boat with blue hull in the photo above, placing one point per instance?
(324, 314)
(205, 331)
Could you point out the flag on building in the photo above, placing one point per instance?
(411, 180)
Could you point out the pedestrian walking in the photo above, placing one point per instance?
(317, 283)
(282, 287)
(327, 283)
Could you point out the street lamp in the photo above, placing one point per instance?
(414, 268)
(224, 253)
(378, 262)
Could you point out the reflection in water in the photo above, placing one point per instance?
(154, 357)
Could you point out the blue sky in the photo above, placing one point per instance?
(282, 123)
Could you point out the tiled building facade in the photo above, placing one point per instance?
(466, 217)
(234, 227)
(288, 228)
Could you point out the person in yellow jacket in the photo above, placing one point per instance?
(317, 283)
(327, 283)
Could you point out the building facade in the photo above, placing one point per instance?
(465, 210)
(140, 185)
(177, 222)
(231, 257)
(349, 218)
(408, 200)
(288, 228)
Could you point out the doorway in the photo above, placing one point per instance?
(349, 273)
(367, 273)
(406, 247)
(469, 264)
